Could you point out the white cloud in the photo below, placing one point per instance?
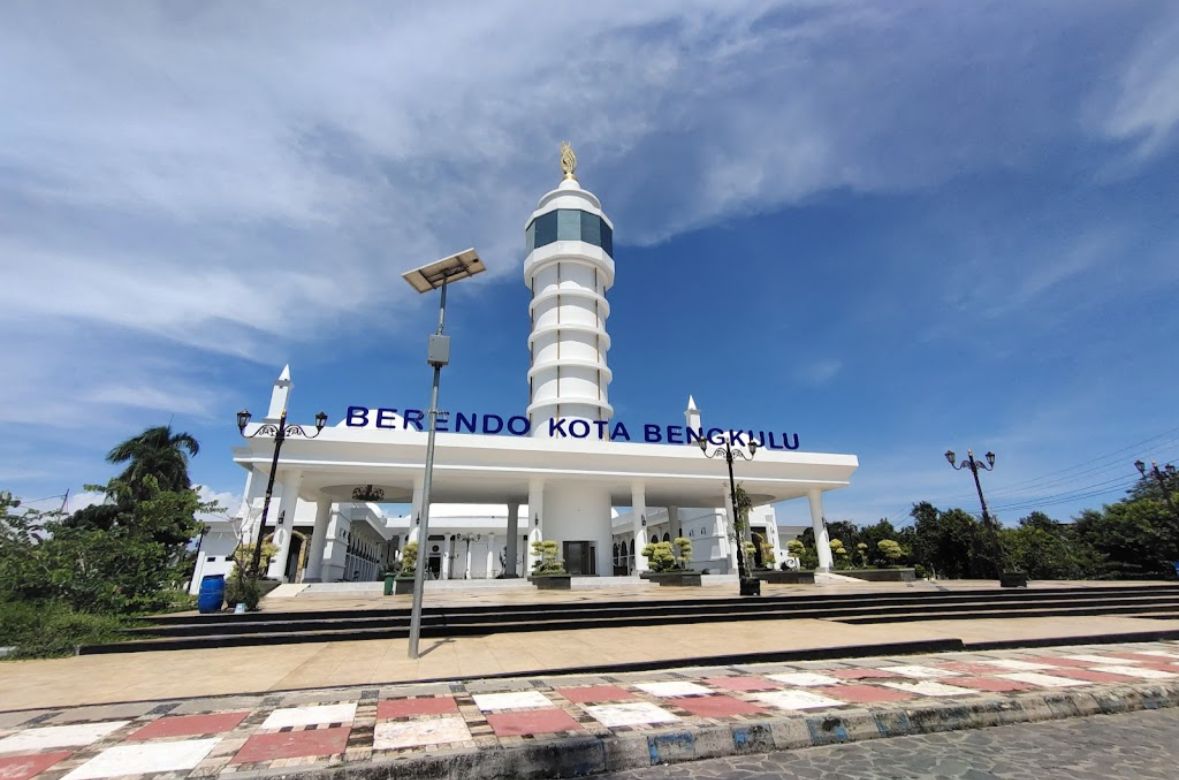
(222, 178)
(1143, 110)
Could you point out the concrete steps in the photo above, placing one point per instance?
(174, 632)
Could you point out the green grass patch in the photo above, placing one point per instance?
(45, 629)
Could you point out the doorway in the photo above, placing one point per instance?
(580, 558)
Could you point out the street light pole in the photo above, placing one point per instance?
(280, 432)
(419, 574)
(1157, 473)
(748, 585)
(988, 521)
(435, 276)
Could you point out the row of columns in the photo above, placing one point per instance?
(283, 522)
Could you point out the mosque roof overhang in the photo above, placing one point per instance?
(473, 468)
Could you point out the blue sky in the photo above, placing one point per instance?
(892, 228)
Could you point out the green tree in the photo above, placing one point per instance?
(158, 453)
(953, 543)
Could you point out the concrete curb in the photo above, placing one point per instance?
(582, 756)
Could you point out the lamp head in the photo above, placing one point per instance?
(703, 444)
(320, 421)
(1138, 464)
(753, 445)
(243, 419)
(950, 456)
(991, 459)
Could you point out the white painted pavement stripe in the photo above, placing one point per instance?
(636, 713)
(805, 679)
(1043, 680)
(1019, 666)
(1098, 659)
(145, 758)
(931, 688)
(1136, 671)
(75, 735)
(394, 735)
(919, 672)
(796, 700)
(316, 715)
(673, 688)
(511, 700)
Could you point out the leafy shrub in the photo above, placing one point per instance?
(243, 589)
(42, 629)
(409, 559)
(547, 559)
(683, 548)
(660, 556)
(891, 550)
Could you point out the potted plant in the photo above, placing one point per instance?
(548, 571)
(403, 581)
(791, 576)
(668, 563)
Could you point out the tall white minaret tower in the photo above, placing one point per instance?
(569, 267)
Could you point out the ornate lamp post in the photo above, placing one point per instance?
(1162, 475)
(750, 586)
(988, 522)
(280, 431)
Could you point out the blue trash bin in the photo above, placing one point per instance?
(212, 593)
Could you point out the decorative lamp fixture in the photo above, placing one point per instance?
(991, 459)
(643, 520)
(1141, 467)
(243, 419)
(368, 493)
(320, 421)
(950, 456)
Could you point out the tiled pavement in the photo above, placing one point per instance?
(306, 730)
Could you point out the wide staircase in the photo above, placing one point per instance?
(178, 632)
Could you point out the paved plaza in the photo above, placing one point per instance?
(575, 725)
(1140, 745)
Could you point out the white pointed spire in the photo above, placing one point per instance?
(692, 414)
(280, 394)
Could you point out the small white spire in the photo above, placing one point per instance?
(280, 394)
(692, 414)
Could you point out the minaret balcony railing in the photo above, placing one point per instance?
(593, 365)
(554, 293)
(570, 327)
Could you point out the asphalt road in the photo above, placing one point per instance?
(1142, 744)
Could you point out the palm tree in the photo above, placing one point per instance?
(156, 452)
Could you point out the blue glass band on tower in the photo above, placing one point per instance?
(569, 225)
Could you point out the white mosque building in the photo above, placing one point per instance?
(565, 470)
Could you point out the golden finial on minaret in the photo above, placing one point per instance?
(568, 160)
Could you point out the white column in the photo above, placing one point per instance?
(491, 550)
(673, 522)
(822, 543)
(638, 511)
(446, 553)
(323, 514)
(467, 570)
(513, 545)
(730, 525)
(282, 533)
(415, 514)
(535, 520)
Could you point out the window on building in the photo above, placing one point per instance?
(569, 225)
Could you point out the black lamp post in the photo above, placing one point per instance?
(1162, 475)
(750, 586)
(280, 431)
(988, 522)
